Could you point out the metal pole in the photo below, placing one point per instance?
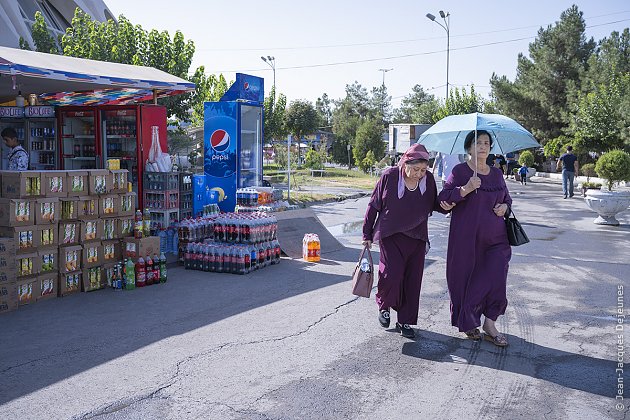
(289, 167)
(448, 41)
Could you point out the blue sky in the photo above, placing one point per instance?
(307, 37)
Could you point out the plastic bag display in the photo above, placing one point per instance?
(158, 161)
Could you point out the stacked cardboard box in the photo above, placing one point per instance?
(60, 231)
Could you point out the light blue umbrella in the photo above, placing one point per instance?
(448, 134)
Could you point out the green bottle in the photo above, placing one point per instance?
(130, 271)
(162, 268)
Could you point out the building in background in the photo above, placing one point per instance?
(402, 136)
(17, 17)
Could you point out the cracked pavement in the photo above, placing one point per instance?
(291, 342)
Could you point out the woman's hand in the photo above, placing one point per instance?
(446, 206)
(367, 244)
(500, 209)
(473, 183)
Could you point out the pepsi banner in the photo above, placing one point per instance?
(220, 151)
(246, 87)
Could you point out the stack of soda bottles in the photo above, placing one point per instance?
(144, 272)
(238, 244)
(311, 248)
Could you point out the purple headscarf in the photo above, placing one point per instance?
(415, 152)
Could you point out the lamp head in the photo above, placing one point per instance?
(263, 59)
(431, 17)
(270, 58)
(442, 14)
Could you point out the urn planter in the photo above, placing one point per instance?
(607, 204)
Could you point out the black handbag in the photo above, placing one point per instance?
(515, 232)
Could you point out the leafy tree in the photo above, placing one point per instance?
(380, 105)
(315, 159)
(598, 123)
(324, 106)
(460, 102)
(274, 116)
(614, 166)
(526, 158)
(43, 40)
(556, 147)
(418, 108)
(539, 96)
(209, 89)
(346, 121)
(281, 155)
(588, 170)
(610, 61)
(369, 138)
(368, 162)
(300, 119)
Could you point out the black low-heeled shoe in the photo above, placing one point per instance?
(383, 318)
(405, 330)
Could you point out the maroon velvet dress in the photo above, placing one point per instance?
(478, 249)
(400, 226)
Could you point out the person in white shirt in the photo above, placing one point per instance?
(18, 158)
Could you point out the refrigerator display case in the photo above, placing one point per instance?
(233, 140)
(12, 116)
(42, 141)
(91, 135)
(80, 148)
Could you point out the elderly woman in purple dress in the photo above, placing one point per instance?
(396, 217)
(478, 248)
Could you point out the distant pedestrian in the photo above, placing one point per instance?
(446, 164)
(396, 217)
(18, 158)
(478, 249)
(511, 164)
(523, 173)
(570, 167)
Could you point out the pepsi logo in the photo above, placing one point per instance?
(220, 140)
(246, 85)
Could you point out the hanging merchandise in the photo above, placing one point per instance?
(158, 161)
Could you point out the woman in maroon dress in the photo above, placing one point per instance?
(478, 248)
(397, 214)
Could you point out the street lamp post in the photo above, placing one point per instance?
(446, 17)
(384, 71)
(271, 61)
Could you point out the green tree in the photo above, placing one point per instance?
(556, 147)
(380, 104)
(275, 109)
(599, 123)
(417, 108)
(460, 102)
(610, 61)
(42, 38)
(526, 158)
(209, 89)
(369, 137)
(539, 96)
(614, 166)
(324, 107)
(300, 119)
(315, 158)
(368, 162)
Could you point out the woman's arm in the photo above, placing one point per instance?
(456, 188)
(374, 207)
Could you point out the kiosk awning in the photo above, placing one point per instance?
(61, 80)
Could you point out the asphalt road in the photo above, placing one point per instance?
(291, 342)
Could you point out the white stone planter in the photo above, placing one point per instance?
(607, 204)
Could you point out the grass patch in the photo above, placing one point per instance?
(332, 177)
(305, 197)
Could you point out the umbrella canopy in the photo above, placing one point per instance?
(50, 76)
(448, 134)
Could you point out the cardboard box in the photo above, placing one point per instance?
(112, 251)
(55, 183)
(135, 248)
(78, 183)
(110, 229)
(119, 179)
(27, 264)
(47, 260)
(17, 212)
(125, 226)
(108, 205)
(109, 270)
(21, 184)
(8, 266)
(69, 283)
(69, 208)
(91, 230)
(24, 237)
(92, 255)
(70, 232)
(47, 285)
(47, 235)
(127, 204)
(70, 258)
(93, 279)
(46, 211)
(8, 297)
(88, 208)
(100, 181)
(27, 290)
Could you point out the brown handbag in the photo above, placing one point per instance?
(363, 276)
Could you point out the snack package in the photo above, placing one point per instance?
(71, 259)
(100, 184)
(25, 292)
(77, 183)
(48, 262)
(109, 229)
(70, 233)
(25, 266)
(90, 230)
(47, 236)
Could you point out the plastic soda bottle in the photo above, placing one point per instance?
(130, 275)
(146, 223)
(141, 274)
(138, 227)
(149, 270)
(162, 268)
(156, 269)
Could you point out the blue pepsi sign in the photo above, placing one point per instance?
(246, 88)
